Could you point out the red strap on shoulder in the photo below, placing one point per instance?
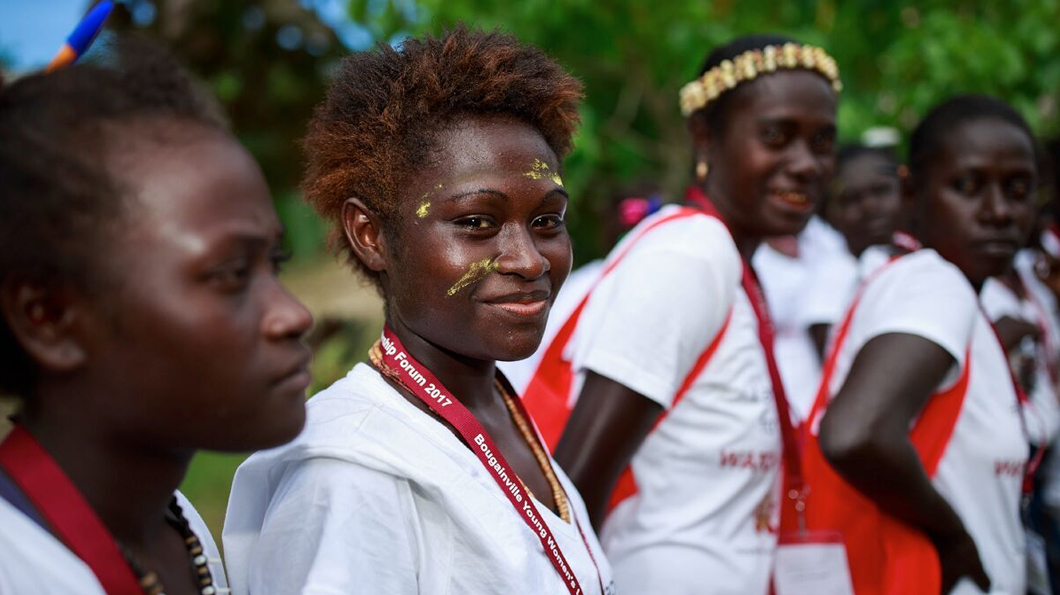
(64, 508)
(547, 395)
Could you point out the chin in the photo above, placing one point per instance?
(518, 347)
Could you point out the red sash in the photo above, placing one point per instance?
(794, 483)
(886, 556)
(426, 387)
(70, 517)
(548, 396)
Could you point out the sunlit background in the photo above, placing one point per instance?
(268, 62)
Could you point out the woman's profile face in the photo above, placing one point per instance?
(776, 153)
(479, 248)
(200, 341)
(976, 201)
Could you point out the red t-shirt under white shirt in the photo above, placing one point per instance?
(981, 470)
(704, 515)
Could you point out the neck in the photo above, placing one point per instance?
(746, 241)
(469, 380)
(128, 485)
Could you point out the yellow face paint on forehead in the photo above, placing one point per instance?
(474, 274)
(540, 170)
(425, 204)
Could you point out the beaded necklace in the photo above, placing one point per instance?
(149, 580)
(375, 355)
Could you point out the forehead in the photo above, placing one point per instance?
(192, 184)
(487, 144)
(987, 142)
(795, 95)
(867, 165)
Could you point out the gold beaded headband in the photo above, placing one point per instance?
(752, 63)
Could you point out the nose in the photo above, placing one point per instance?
(285, 316)
(803, 162)
(520, 255)
(996, 207)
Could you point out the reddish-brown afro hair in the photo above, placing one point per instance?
(384, 109)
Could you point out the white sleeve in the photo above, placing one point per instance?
(652, 316)
(925, 296)
(333, 527)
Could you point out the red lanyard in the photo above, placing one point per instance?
(1021, 401)
(796, 484)
(74, 522)
(426, 387)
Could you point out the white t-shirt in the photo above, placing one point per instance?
(376, 496)
(704, 516)
(33, 561)
(813, 288)
(580, 281)
(981, 470)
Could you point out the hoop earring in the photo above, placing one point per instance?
(701, 170)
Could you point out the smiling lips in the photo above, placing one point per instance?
(794, 198)
(522, 304)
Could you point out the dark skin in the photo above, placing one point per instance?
(188, 341)
(975, 209)
(486, 204)
(768, 168)
(866, 202)
(865, 206)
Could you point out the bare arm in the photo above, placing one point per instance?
(607, 426)
(865, 436)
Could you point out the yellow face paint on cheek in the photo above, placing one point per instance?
(474, 274)
(540, 170)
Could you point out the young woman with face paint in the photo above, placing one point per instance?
(924, 446)
(142, 320)
(676, 389)
(439, 168)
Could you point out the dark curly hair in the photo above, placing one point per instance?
(60, 201)
(384, 109)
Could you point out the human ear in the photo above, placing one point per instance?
(44, 319)
(364, 233)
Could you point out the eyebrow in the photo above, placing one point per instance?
(554, 191)
(790, 121)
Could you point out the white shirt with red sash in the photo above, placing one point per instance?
(33, 561)
(981, 470)
(703, 514)
(377, 496)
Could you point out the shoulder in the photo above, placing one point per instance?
(361, 420)
(678, 244)
(684, 229)
(924, 271)
(32, 561)
(920, 294)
